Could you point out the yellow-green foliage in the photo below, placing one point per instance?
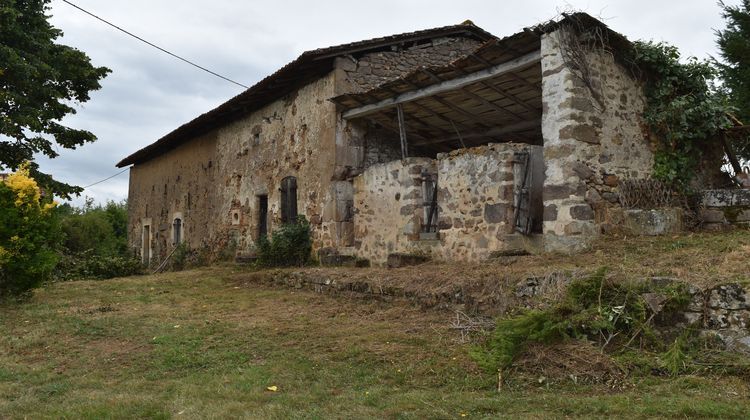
(28, 234)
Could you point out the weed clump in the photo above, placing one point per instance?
(601, 312)
(290, 245)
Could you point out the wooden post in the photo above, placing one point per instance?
(402, 132)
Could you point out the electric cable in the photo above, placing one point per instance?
(153, 45)
(107, 179)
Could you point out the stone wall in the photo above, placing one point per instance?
(373, 69)
(388, 211)
(182, 181)
(475, 205)
(476, 200)
(722, 209)
(293, 136)
(593, 137)
(360, 145)
(214, 181)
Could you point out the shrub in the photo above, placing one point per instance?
(290, 245)
(29, 234)
(101, 229)
(180, 257)
(94, 244)
(511, 336)
(89, 265)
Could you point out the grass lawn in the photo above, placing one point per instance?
(195, 345)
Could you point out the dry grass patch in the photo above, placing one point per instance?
(197, 344)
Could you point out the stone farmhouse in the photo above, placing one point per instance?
(449, 142)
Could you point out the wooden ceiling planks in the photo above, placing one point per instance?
(506, 107)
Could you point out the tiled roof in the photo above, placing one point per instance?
(306, 68)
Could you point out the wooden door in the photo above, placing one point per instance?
(523, 217)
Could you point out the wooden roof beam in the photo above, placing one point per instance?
(506, 94)
(479, 98)
(411, 118)
(480, 121)
(493, 132)
(433, 112)
(526, 82)
(393, 128)
(447, 86)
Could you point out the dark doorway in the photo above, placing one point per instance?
(289, 200)
(262, 216)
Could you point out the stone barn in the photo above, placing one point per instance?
(448, 142)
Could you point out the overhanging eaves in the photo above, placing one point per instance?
(446, 86)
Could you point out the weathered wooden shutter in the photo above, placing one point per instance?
(522, 200)
(289, 200)
(430, 204)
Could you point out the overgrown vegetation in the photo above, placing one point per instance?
(29, 234)
(290, 245)
(734, 46)
(616, 318)
(94, 242)
(684, 111)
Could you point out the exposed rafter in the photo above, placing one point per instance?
(493, 132)
(481, 99)
(447, 86)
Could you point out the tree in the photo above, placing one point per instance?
(99, 230)
(29, 234)
(40, 82)
(734, 46)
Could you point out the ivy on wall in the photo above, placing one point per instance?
(684, 110)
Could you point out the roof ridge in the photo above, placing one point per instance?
(258, 94)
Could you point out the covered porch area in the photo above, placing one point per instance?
(466, 170)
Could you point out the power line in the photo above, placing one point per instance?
(108, 178)
(154, 45)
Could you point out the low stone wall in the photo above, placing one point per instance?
(475, 204)
(722, 209)
(722, 310)
(475, 196)
(489, 300)
(388, 208)
(654, 222)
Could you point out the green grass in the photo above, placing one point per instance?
(194, 345)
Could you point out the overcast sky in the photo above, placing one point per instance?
(149, 93)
